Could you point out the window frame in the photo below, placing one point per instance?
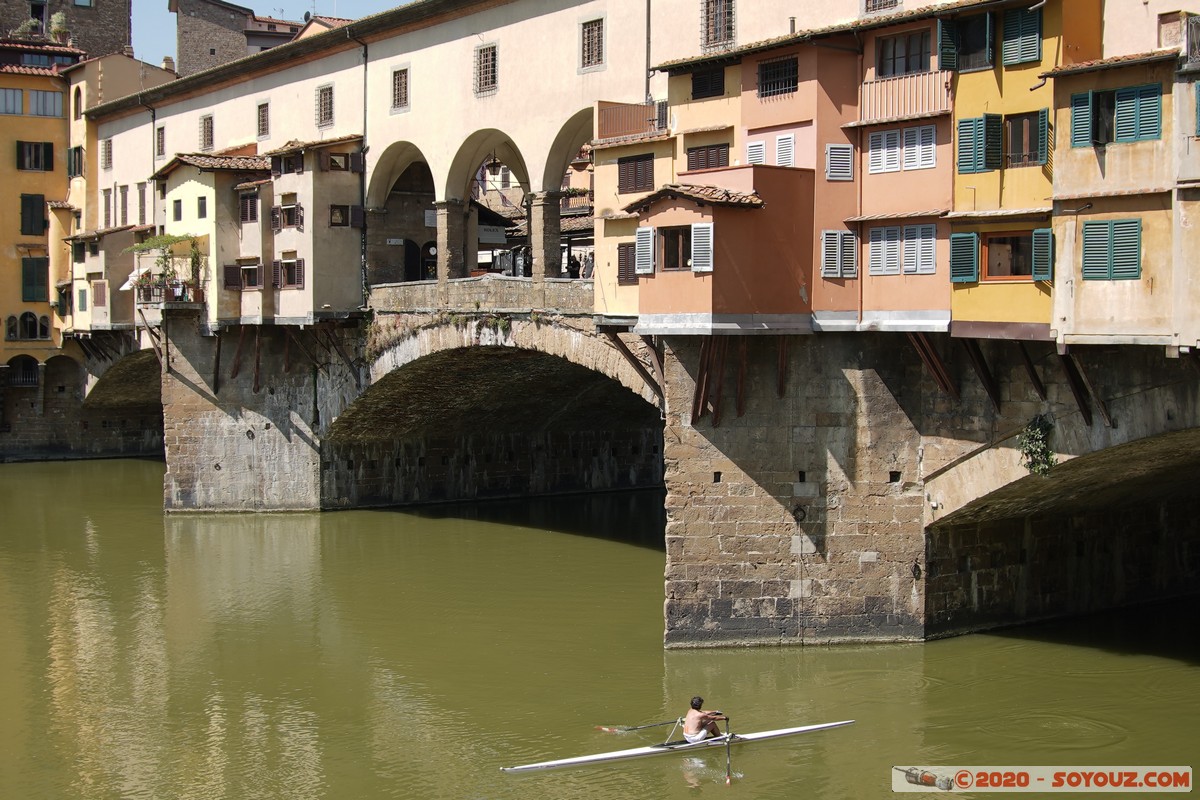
(106, 153)
(1098, 115)
(324, 99)
(486, 69)
(39, 98)
(780, 76)
(674, 245)
(718, 24)
(262, 120)
(177, 210)
(635, 174)
(925, 53)
(206, 132)
(592, 44)
(708, 83)
(247, 208)
(1103, 233)
(1037, 135)
(839, 162)
(35, 156)
(626, 264)
(401, 96)
(12, 98)
(33, 214)
(708, 156)
(1021, 37)
(35, 279)
(1025, 236)
(839, 254)
(160, 141)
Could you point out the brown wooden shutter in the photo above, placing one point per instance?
(276, 274)
(625, 264)
(276, 166)
(357, 162)
(299, 273)
(20, 155)
(299, 217)
(323, 160)
(358, 217)
(276, 218)
(233, 276)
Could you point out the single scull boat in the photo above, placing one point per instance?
(723, 740)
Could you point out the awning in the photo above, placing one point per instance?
(133, 276)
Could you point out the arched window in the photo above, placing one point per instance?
(28, 326)
(43, 327)
(10, 327)
(23, 371)
(78, 103)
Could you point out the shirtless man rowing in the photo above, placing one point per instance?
(699, 725)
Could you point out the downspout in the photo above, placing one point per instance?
(858, 149)
(647, 93)
(362, 181)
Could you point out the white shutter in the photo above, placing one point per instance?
(885, 251)
(756, 152)
(920, 249)
(920, 147)
(831, 251)
(644, 251)
(849, 245)
(891, 151)
(702, 247)
(839, 162)
(875, 152)
(785, 150)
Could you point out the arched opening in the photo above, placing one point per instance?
(28, 326)
(427, 262)
(23, 371)
(77, 103)
(402, 197)
(569, 163)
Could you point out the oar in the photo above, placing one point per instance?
(628, 728)
(728, 742)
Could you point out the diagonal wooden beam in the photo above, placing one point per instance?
(257, 358)
(1078, 387)
(656, 358)
(741, 377)
(722, 349)
(635, 362)
(933, 362)
(700, 397)
(154, 342)
(237, 354)
(337, 347)
(781, 369)
(216, 378)
(1031, 371)
(296, 338)
(975, 354)
(1101, 406)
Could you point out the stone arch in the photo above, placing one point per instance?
(134, 381)
(475, 150)
(397, 158)
(585, 349)
(23, 371)
(574, 134)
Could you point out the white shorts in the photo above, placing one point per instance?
(698, 736)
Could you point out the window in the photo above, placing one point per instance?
(709, 156)
(708, 83)
(778, 77)
(178, 210)
(487, 69)
(324, 106)
(339, 216)
(108, 208)
(883, 251)
(141, 190)
(626, 276)
(264, 120)
(124, 194)
(883, 152)
(644, 253)
(243, 275)
(81, 303)
(35, 280)
(85, 3)
(903, 55)
(201, 207)
(287, 164)
(338, 162)
(288, 272)
(12, 101)
(872, 6)
(592, 44)
(77, 103)
(756, 152)
(920, 249)
(785, 150)
(400, 89)
(160, 141)
(1131, 114)
(1028, 138)
(717, 23)
(839, 254)
(45, 104)
(1112, 250)
(675, 247)
(1026, 255)
(839, 162)
(635, 174)
(1021, 41)
(35, 156)
(964, 257)
(920, 147)
(33, 214)
(248, 207)
(206, 132)
(78, 252)
(106, 160)
(288, 214)
(979, 143)
(1008, 256)
(966, 43)
(75, 162)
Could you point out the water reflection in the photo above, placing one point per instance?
(392, 654)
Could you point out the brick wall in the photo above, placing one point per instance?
(207, 35)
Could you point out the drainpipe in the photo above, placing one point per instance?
(362, 180)
(858, 149)
(647, 93)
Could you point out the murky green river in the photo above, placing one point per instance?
(387, 654)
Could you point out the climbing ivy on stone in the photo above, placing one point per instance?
(1034, 445)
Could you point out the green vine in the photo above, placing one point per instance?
(1034, 446)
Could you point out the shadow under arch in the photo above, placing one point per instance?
(397, 158)
(574, 134)
(134, 381)
(477, 148)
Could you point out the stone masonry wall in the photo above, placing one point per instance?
(99, 29)
(207, 35)
(231, 447)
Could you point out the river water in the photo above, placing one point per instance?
(392, 654)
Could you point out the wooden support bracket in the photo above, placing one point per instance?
(781, 370)
(654, 348)
(975, 353)
(1101, 406)
(337, 347)
(308, 354)
(216, 378)
(722, 348)
(741, 377)
(257, 358)
(933, 362)
(1031, 371)
(237, 354)
(1078, 387)
(636, 363)
(154, 340)
(700, 397)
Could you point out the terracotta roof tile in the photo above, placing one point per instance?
(1113, 61)
(18, 69)
(224, 162)
(295, 146)
(709, 195)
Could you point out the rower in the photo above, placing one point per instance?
(699, 725)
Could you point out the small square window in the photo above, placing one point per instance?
(339, 162)
(339, 216)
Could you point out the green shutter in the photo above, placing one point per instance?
(48, 156)
(1021, 41)
(1097, 250)
(993, 142)
(947, 45)
(1043, 140)
(1126, 115)
(964, 257)
(1149, 104)
(1126, 249)
(35, 280)
(1043, 254)
(991, 38)
(967, 145)
(1081, 119)
(20, 155)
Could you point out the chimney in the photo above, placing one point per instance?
(128, 50)
(168, 63)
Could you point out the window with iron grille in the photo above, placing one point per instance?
(106, 154)
(872, 6)
(708, 83)
(206, 132)
(626, 255)
(160, 141)
(324, 106)
(1028, 138)
(903, 55)
(709, 156)
(487, 69)
(592, 44)
(264, 120)
(717, 23)
(108, 210)
(781, 76)
(400, 89)
(635, 174)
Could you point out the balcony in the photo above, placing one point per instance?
(630, 119)
(158, 292)
(905, 96)
(574, 203)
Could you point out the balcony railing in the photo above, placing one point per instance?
(576, 204)
(158, 292)
(903, 96)
(629, 119)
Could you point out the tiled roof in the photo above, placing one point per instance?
(1000, 213)
(635, 138)
(251, 184)
(60, 204)
(278, 21)
(578, 224)
(1128, 192)
(1113, 61)
(19, 69)
(296, 146)
(705, 195)
(862, 23)
(202, 161)
(41, 47)
(937, 212)
(336, 22)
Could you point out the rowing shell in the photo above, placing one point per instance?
(674, 747)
